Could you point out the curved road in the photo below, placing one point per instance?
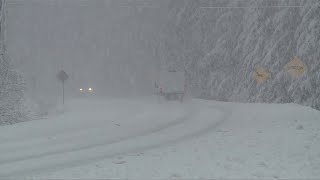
(69, 149)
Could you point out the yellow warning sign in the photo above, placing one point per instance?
(260, 75)
(295, 68)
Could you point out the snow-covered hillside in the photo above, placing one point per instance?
(12, 102)
(221, 43)
(141, 139)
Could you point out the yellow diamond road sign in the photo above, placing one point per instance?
(295, 68)
(260, 75)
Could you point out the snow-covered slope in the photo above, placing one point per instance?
(141, 139)
(221, 48)
(12, 101)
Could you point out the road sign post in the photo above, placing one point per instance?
(62, 76)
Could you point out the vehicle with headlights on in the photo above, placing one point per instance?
(86, 91)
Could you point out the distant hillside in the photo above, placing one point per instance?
(222, 43)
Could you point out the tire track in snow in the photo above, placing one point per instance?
(45, 141)
(56, 166)
(72, 132)
(103, 143)
(67, 134)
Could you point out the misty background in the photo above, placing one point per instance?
(100, 44)
(116, 46)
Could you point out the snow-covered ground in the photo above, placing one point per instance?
(142, 139)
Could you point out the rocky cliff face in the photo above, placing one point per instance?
(223, 44)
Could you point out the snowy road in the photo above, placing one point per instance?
(92, 130)
(142, 139)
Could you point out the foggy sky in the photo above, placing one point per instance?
(98, 43)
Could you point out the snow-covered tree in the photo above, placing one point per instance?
(220, 43)
(12, 102)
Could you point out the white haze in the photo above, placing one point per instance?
(102, 44)
(130, 127)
